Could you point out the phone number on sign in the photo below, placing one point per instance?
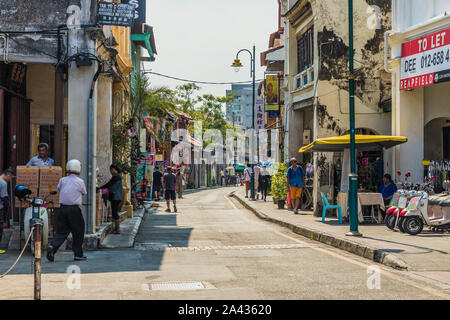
(435, 59)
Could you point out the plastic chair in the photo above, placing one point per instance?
(326, 206)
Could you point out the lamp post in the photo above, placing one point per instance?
(237, 65)
(353, 177)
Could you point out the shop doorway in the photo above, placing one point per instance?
(446, 136)
(437, 140)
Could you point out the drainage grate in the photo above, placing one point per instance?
(173, 286)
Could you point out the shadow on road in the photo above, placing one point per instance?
(157, 232)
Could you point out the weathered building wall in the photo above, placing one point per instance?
(373, 86)
(36, 15)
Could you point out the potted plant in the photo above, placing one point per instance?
(279, 187)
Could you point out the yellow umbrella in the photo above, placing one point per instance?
(363, 143)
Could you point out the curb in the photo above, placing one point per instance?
(361, 250)
(138, 216)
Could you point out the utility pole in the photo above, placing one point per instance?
(353, 177)
(237, 65)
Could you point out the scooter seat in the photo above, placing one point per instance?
(436, 200)
(445, 202)
(391, 209)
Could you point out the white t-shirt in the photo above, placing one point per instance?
(247, 174)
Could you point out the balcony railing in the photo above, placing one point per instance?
(304, 78)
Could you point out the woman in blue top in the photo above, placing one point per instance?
(387, 189)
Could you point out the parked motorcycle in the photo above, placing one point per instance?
(432, 211)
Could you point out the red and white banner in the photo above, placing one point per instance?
(260, 115)
(426, 60)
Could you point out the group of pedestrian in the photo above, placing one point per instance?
(261, 180)
(172, 182)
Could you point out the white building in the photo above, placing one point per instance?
(418, 56)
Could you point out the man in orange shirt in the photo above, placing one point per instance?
(295, 179)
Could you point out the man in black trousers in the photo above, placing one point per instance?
(70, 219)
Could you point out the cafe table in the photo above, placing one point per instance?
(371, 199)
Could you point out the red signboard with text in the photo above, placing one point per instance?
(426, 60)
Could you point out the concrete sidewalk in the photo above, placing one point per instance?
(128, 231)
(426, 252)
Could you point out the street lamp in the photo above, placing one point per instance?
(237, 65)
(353, 177)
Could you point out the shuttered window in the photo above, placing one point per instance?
(305, 50)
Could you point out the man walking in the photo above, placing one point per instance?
(222, 176)
(6, 176)
(295, 181)
(247, 178)
(70, 219)
(169, 183)
(157, 177)
(42, 160)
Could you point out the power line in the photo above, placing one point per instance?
(201, 82)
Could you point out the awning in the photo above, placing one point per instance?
(363, 143)
(147, 40)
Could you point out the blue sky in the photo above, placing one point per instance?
(198, 39)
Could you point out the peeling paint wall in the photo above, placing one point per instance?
(373, 87)
(35, 15)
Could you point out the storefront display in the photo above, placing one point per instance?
(437, 173)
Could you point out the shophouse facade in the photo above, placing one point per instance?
(316, 76)
(50, 54)
(418, 57)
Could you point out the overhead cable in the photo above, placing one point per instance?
(200, 82)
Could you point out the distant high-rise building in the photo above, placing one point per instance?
(241, 106)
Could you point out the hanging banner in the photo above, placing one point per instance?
(259, 113)
(139, 9)
(426, 60)
(271, 92)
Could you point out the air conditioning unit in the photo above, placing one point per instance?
(306, 137)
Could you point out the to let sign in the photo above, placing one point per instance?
(115, 14)
(426, 61)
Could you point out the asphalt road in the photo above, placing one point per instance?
(212, 248)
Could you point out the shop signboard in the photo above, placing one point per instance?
(426, 60)
(260, 116)
(115, 14)
(139, 9)
(274, 114)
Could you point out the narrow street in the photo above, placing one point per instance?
(213, 248)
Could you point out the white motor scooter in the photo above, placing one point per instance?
(433, 211)
(37, 208)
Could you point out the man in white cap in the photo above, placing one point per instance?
(70, 219)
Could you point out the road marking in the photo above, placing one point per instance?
(168, 247)
(384, 270)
